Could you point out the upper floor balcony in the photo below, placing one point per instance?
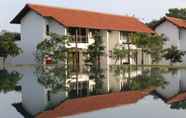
(81, 37)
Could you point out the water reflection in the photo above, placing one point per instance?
(8, 80)
(45, 87)
(174, 92)
(50, 85)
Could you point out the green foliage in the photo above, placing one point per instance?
(155, 47)
(54, 46)
(173, 54)
(179, 105)
(141, 40)
(8, 47)
(93, 58)
(52, 77)
(150, 43)
(120, 54)
(8, 80)
(177, 13)
(148, 79)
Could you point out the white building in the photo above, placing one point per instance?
(38, 20)
(174, 30)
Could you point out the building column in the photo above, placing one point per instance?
(108, 61)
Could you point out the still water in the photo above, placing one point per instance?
(135, 92)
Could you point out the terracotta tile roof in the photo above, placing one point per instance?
(85, 19)
(178, 98)
(176, 21)
(93, 103)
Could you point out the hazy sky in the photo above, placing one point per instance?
(145, 10)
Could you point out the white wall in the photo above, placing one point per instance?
(173, 85)
(34, 94)
(55, 27)
(32, 32)
(183, 42)
(171, 32)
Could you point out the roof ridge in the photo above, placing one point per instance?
(82, 10)
(85, 18)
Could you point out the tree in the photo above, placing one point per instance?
(93, 58)
(141, 41)
(173, 54)
(177, 13)
(150, 44)
(53, 77)
(8, 47)
(55, 46)
(149, 79)
(8, 80)
(155, 47)
(119, 54)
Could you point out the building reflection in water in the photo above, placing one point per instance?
(174, 93)
(48, 86)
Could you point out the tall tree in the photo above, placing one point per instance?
(8, 47)
(155, 47)
(93, 58)
(141, 41)
(173, 54)
(150, 44)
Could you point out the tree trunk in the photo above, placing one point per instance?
(128, 43)
(4, 60)
(120, 61)
(142, 56)
(99, 62)
(76, 56)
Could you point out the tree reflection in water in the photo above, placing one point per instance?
(179, 105)
(139, 78)
(8, 80)
(133, 78)
(53, 77)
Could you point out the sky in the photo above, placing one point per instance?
(145, 10)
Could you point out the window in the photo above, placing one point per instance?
(110, 53)
(81, 34)
(47, 29)
(71, 31)
(123, 37)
